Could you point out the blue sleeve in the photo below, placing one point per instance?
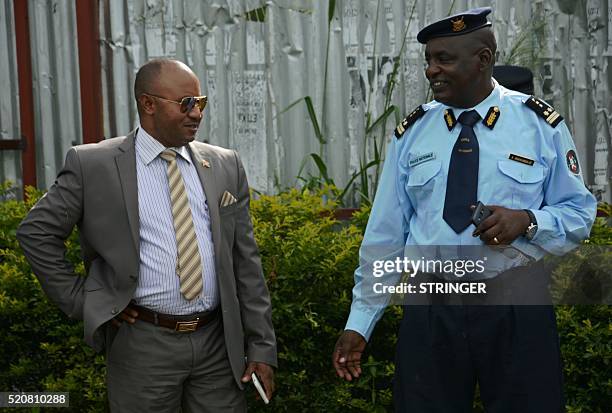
(569, 208)
(384, 239)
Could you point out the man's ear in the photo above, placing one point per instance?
(485, 57)
(147, 104)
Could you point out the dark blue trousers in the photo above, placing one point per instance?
(510, 351)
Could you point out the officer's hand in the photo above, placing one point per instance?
(128, 314)
(265, 372)
(347, 354)
(503, 226)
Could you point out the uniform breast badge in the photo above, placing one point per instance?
(521, 159)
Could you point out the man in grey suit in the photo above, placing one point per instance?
(174, 288)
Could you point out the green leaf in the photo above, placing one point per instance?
(289, 107)
(331, 10)
(355, 175)
(376, 152)
(313, 119)
(322, 168)
(381, 119)
(311, 113)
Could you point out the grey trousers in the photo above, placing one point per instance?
(155, 369)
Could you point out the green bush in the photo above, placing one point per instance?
(308, 259)
(40, 348)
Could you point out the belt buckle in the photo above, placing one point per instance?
(186, 326)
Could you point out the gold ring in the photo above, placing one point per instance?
(496, 240)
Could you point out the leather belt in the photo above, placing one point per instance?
(180, 323)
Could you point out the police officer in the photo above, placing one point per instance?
(477, 141)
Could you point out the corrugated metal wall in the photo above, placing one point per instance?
(253, 66)
(55, 73)
(10, 161)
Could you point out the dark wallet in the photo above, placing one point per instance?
(480, 213)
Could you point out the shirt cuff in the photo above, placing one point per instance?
(546, 226)
(362, 322)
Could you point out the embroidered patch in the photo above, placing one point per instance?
(458, 24)
(419, 159)
(449, 118)
(521, 159)
(572, 162)
(491, 118)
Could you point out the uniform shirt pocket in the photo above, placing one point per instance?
(421, 184)
(522, 183)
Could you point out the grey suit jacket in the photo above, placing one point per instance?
(97, 190)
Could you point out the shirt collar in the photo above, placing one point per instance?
(148, 148)
(493, 99)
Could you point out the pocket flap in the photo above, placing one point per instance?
(524, 174)
(91, 281)
(91, 284)
(421, 174)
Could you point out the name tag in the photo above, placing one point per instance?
(521, 159)
(421, 158)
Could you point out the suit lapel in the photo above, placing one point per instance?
(126, 164)
(200, 158)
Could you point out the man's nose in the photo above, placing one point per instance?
(195, 113)
(431, 70)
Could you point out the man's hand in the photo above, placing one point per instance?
(128, 314)
(347, 354)
(503, 226)
(265, 374)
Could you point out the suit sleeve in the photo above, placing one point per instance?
(253, 295)
(43, 232)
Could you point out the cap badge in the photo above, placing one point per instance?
(458, 24)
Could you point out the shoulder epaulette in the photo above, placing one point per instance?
(544, 110)
(409, 120)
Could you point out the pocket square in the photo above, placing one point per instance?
(228, 199)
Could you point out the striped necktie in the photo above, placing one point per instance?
(189, 266)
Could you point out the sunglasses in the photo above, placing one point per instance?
(187, 103)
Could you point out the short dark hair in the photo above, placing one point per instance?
(486, 38)
(146, 76)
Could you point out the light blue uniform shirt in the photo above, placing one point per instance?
(407, 210)
(158, 285)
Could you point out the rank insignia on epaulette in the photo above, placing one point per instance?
(449, 118)
(544, 110)
(408, 121)
(491, 117)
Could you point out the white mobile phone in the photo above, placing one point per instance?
(259, 388)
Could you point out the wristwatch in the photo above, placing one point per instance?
(533, 226)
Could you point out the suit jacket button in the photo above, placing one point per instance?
(114, 310)
(133, 277)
